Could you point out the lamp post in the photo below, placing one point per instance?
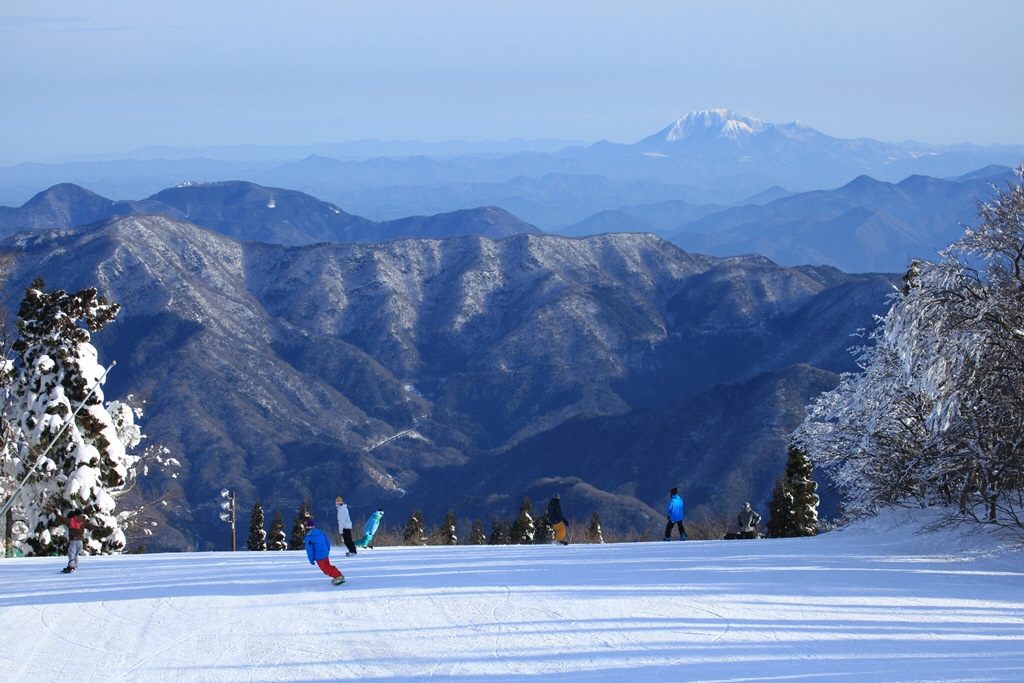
(228, 505)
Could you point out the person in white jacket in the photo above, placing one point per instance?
(345, 525)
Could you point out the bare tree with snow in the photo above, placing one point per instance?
(937, 415)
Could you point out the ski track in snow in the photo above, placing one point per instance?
(863, 605)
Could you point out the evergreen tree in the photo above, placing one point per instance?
(545, 533)
(594, 534)
(793, 510)
(297, 541)
(257, 534)
(476, 534)
(415, 530)
(523, 529)
(501, 531)
(81, 461)
(276, 539)
(448, 535)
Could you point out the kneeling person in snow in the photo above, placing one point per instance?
(77, 524)
(748, 521)
(318, 550)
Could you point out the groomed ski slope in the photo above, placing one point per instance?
(876, 603)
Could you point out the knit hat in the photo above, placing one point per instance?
(309, 523)
(674, 491)
(555, 496)
(337, 501)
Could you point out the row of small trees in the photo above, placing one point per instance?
(529, 527)
(934, 417)
(276, 538)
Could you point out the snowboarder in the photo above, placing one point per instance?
(318, 550)
(345, 525)
(370, 529)
(557, 520)
(77, 524)
(675, 516)
(748, 521)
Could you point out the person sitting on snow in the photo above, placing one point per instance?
(748, 521)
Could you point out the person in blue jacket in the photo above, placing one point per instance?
(675, 516)
(370, 529)
(318, 550)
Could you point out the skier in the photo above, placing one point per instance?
(370, 529)
(557, 520)
(318, 550)
(675, 516)
(748, 521)
(345, 525)
(77, 524)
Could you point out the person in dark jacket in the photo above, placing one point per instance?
(674, 512)
(318, 550)
(557, 520)
(77, 524)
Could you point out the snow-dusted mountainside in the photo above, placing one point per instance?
(409, 373)
(878, 602)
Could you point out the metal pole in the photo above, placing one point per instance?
(232, 521)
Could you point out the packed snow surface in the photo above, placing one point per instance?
(875, 603)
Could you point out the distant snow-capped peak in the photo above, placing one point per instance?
(716, 123)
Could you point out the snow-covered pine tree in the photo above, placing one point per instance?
(501, 531)
(793, 510)
(523, 529)
(544, 533)
(257, 534)
(276, 539)
(415, 530)
(297, 540)
(476, 534)
(594, 534)
(79, 461)
(448, 534)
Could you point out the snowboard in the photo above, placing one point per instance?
(338, 581)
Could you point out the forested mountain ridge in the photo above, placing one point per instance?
(285, 372)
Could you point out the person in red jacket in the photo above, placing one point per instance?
(77, 524)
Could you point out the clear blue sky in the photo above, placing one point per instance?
(89, 77)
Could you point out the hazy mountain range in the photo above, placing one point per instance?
(459, 373)
(707, 157)
(865, 226)
(252, 212)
